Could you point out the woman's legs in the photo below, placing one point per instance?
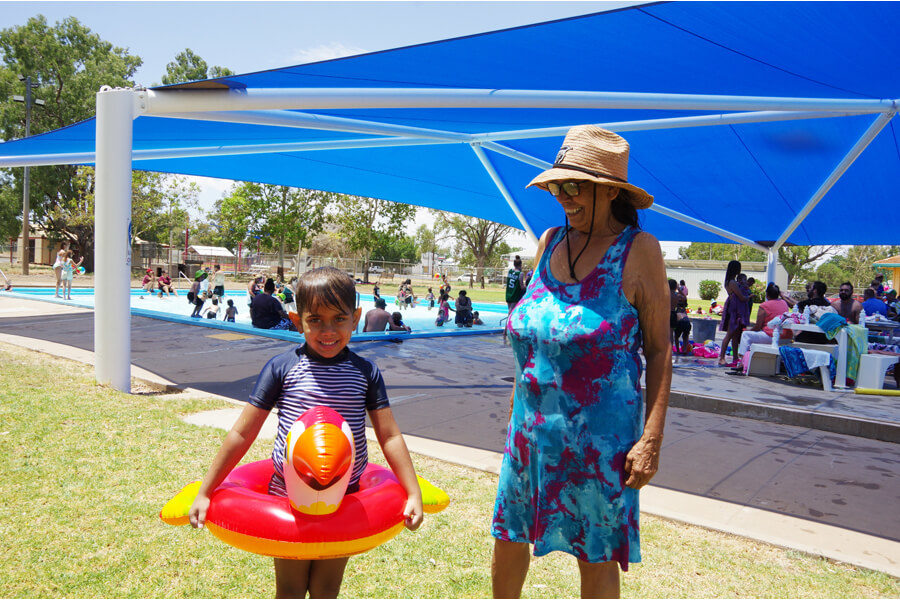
(728, 336)
(509, 568)
(736, 344)
(599, 580)
(58, 271)
(321, 578)
(753, 337)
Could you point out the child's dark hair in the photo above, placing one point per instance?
(397, 317)
(231, 303)
(326, 286)
(216, 301)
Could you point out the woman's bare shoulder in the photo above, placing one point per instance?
(645, 247)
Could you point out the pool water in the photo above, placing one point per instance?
(419, 318)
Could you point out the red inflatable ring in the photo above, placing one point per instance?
(243, 514)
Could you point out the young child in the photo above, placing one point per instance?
(443, 311)
(476, 320)
(396, 323)
(323, 371)
(430, 297)
(213, 311)
(230, 312)
(148, 283)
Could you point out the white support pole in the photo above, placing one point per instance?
(112, 250)
(485, 161)
(656, 207)
(167, 101)
(857, 149)
(668, 123)
(302, 120)
(771, 262)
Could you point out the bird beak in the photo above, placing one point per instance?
(322, 455)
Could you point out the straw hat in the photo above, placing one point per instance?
(590, 153)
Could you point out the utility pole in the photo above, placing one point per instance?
(26, 184)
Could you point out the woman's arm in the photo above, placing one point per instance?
(761, 319)
(645, 276)
(397, 456)
(734, 288)
(233, 449)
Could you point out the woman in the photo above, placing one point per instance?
(768, 310)
(679, 322)
(682, 288)
(61, 257)
(736, 315)
(577, 450)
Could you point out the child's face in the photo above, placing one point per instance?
(328, 330)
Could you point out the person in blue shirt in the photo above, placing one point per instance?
(873, 305)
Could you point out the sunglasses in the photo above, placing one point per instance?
(571, 188)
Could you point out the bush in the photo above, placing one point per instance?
(709, 289)
(758, 292)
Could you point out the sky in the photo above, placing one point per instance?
(255, 36)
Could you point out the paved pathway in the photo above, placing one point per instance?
(457, 391)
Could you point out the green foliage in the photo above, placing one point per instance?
(858, 262)
(709, 251)
(188, 66)
(479, 242)
(69, 63)
(758, 291)
(362, 220)
(281, 217)
(709, 289)
(798, 260)
(395, 248)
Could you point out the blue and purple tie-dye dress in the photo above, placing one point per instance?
(576, 414)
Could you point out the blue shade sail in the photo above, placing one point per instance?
(751, 179)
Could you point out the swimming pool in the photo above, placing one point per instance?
(176, 308)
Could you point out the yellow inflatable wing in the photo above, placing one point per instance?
(175, 512)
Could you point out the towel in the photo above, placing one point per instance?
(858, 337)
(800, 360)
(831, 323)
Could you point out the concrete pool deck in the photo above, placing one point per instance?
(798, 487)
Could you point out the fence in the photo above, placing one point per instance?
(9, 253)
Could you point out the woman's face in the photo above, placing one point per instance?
(578, 207)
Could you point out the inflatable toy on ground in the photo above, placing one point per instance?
(316, 520)
(709, 349)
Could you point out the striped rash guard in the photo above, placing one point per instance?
(297, 380)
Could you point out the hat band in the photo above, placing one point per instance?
(588, 171)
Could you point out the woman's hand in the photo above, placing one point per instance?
(413, 512)
(642, 460)
(197, 513)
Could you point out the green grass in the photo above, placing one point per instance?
(85, 470)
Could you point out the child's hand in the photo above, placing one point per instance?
(413, 512)
(197, 513)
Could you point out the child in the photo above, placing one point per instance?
(213, 312)
(323, 371)
(194, 291)
(230, 312)
(430, 297)
(443, 311)
(148, 284)
(476, 320)
(68, 273)
(396, 323)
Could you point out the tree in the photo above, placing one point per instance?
(278, 215)
(361, 221)
(187, 66)
(479, 237)
(395, 248)
(858, 262)
(70, 64)
(710, 251)
(798, 260)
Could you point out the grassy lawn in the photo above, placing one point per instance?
(85, 470)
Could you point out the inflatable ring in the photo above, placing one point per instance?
(243, 514)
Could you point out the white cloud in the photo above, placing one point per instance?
(324, 52)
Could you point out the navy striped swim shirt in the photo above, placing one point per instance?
(297, 380)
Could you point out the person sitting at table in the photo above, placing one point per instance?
(893, 305)
(878, 285)
(761, 333)
(873, 305)
(816, 297)
(846, 305)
